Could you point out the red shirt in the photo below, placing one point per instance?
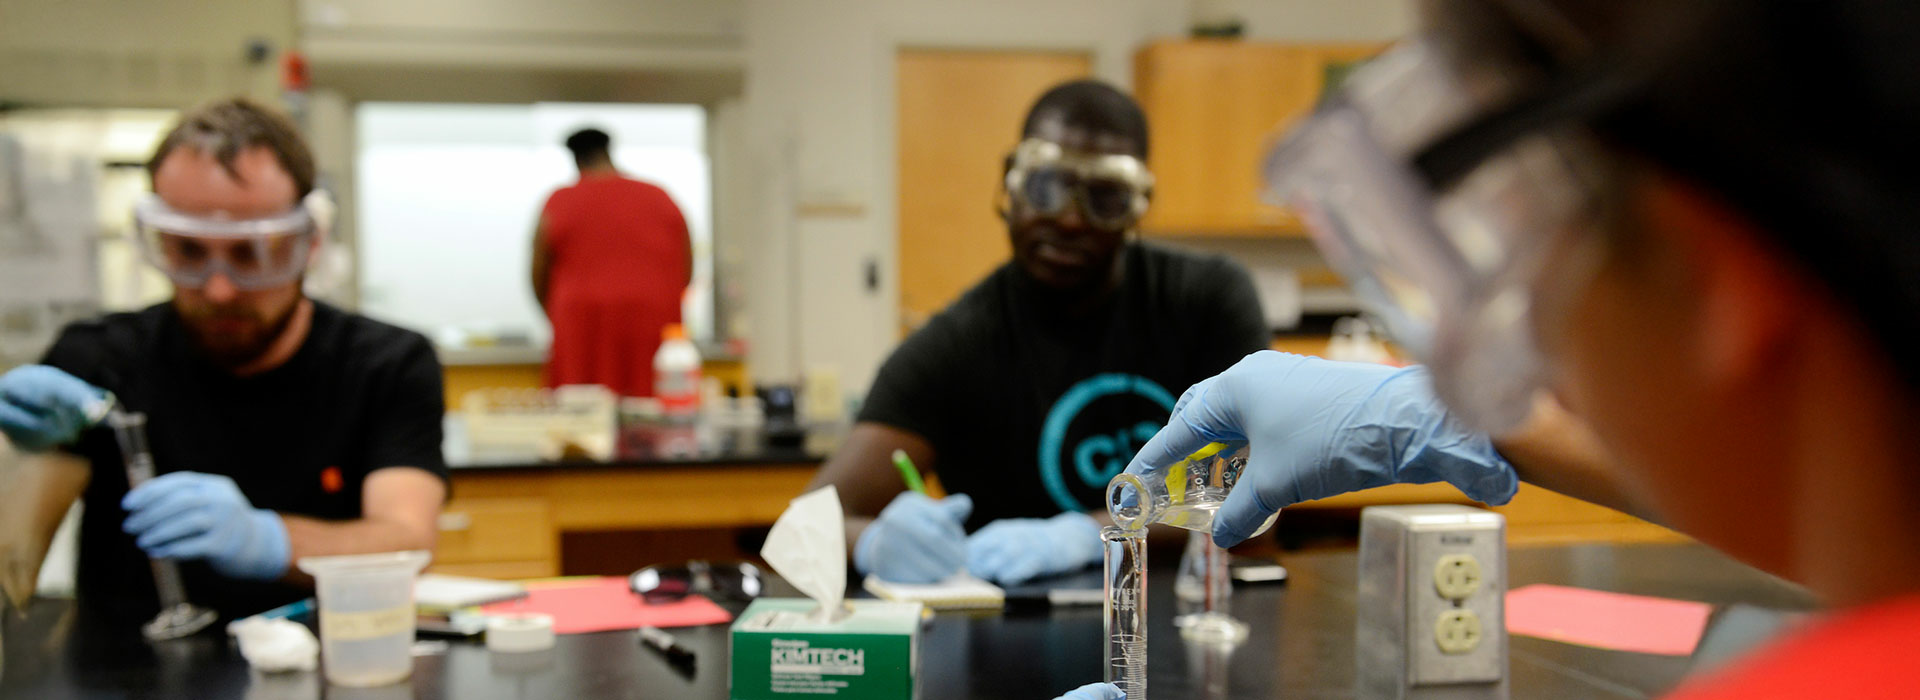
(619, 262)
(1864, 653)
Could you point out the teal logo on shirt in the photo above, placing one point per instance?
(1098, 457)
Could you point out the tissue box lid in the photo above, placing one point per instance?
(794, 615)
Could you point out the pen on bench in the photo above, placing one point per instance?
(667, 646)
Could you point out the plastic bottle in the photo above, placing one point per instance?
(676, 374)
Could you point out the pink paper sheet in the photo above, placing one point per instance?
(1607, 620)
(601, 604)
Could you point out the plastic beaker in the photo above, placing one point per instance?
(366, 615)
(1185, 495)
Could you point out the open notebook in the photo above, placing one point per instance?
(958, 592)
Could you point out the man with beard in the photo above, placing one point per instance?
(1034, 388)
(281, 427)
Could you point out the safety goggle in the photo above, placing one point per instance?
(1110, 189)
(253, 253)
(726, 581)
(1445, 215)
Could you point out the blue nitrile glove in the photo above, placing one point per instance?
(916, 539)
(1319, 428)
(1016, 550)
(1094, 691)
(189, 515)
(41, 406)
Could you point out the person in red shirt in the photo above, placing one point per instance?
(611, 261)
(1661, 255)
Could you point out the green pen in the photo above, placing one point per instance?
(908, 473)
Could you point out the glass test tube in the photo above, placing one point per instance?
(177, 618)
(1126, 609)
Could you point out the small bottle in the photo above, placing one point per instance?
(676, 374)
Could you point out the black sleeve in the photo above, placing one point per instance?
(915, 390)
(407, 408)
(1231, 309)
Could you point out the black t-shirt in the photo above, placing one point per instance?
(1031, 410)
(359, 395)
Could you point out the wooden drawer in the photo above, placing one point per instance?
(500, 570)
(493, 530)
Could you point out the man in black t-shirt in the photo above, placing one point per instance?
(1033, 389)
(280, 427)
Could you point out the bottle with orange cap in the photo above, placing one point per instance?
(676, 374)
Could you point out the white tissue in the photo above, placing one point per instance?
(276, 645)
(808, 547)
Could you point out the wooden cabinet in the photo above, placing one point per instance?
(1214, 107)
(506, 538)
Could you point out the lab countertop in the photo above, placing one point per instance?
(1302, 645)
(642, 446)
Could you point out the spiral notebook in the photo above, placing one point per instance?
(959, 592)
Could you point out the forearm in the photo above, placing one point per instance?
(311, 537)
(1555, 451)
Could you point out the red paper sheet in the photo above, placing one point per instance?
(601, 604)
(1607, 620)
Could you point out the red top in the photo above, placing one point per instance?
(620, 260)
(1863, 653)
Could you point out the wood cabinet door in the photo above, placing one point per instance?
(959, 115)
(1215, 107)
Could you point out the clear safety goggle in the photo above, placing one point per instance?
(1110, 189)
(253, 253)
(1446, 214)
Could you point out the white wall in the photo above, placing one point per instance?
(152, 53)
(819, 117)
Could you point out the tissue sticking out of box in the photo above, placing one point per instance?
(808, 547)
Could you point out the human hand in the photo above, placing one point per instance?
(1016, 550)
(189, 515)
(1316, 428)
(1095, 691)
(41, 406)
(916, 539)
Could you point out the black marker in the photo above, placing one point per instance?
(664, 643)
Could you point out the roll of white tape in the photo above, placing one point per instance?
(520, 633)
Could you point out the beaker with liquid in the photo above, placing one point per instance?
(1125, 584)
(366, 615)
(1185, 495)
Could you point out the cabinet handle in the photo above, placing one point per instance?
(455, 522)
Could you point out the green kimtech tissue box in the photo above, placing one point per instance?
(781, 650)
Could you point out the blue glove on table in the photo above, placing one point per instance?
(916, 539)
(1318, 428)
(189, 515)
(1016, 550)
(41, 406)
(1094, 691)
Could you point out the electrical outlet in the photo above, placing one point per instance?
(1432, 592)
(1455, 577)
(1457, 631)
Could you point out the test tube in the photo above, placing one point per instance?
(1126, 609)
(177, 618)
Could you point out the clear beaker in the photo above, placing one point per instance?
(366, 615)
(1185, 495)
(1125, 623)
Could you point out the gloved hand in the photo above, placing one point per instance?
(1016, 550)
(916, 539)
(189, 515)
(41, 406)
(1317, 428)
(1094, 691)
